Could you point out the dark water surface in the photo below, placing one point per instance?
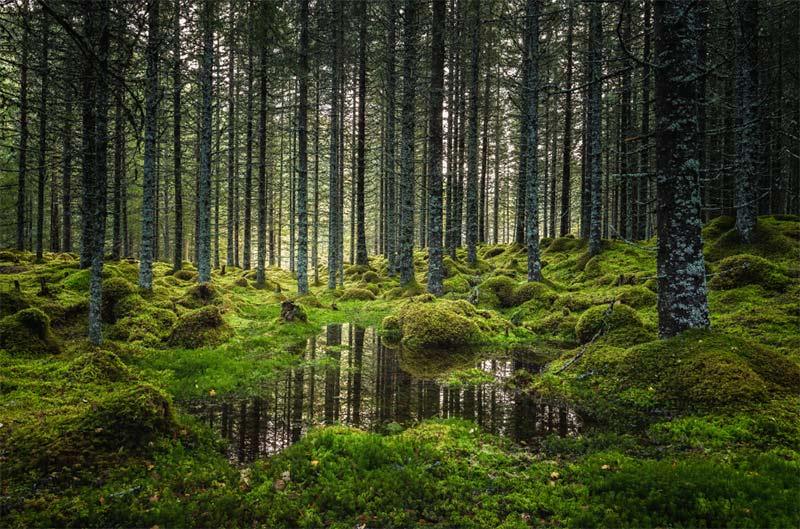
(347, 376)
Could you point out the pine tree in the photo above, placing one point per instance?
(408, 111)
(530, 99)
(472, 153)
(436, 100)
(593, 124)
(204, 185)
(302, 148)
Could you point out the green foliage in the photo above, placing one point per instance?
(200, 327)
(740, 270)
(28, 331)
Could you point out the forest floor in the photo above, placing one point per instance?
(702, 430)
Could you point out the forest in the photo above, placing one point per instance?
(400, 263)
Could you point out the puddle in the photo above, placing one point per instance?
(347, 376)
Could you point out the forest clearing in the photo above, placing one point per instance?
(454, 263)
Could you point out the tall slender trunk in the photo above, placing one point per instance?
(472, 149)
(229, 258)
(43, 76)
(333, 182)
(391, 86)
(261, 234)
(627, 197)
(566, 173)
(406, 257)
(66, 183)
(361, 236)
(682, 296)
(204, 184)
(119, 147)
(150, 132)
(436, 100)
(643, 183)
(177, 257)
(248, 170)
(315, 231)
(23, 127)
(302, 151)
(746, 168)
(530, 100)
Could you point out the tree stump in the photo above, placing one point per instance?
(291, 312)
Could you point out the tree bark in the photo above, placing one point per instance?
(23, 127)
(361, 236)
(594, 175)
(406, 257)
(302, 148)
(43, 74)
(204, 188)
(682, 302)
(436, 100)
(530, 100)
(566, 173)
(177, 85)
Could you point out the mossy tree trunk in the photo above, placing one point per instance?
(302, 148)
(593, 125)
(148, 242)
(248, 169)
(333, 181)
(472, 148)
(262, 166)
(565, 224)
(682, 302)
(530, 100)
(361, 236)
(204, 187)
(408, 111)
(177, 258)
(436, 99)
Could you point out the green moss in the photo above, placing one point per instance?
(497, 291)
(114, 290)
(199, 328)
(409, 290)
(370, 277)
(355, 293)
(201, 295)
(740, 270)
(12, 301)
(241, 282)
(532, 290)
(98, 365)
(598, 320)
(457, 284)
(563, 244)
(637, 297)
(28, 331)
(123, 420)
(423, 325)
(770, 239)
(576, 301)
(185, 275)
(150, 326)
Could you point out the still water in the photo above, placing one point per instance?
(347, 376)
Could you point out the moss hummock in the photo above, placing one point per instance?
(28, 331)
(741, 270)
(424, 324)
(199, 328)
(619, 322)
(358, 294)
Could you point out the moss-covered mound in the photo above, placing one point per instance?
(28, 331)
(200, 327)
(201, 295)
(497, 292)
(533, 291)
(12, 301)
(618, 323)
(775, 237)
(123, 420)
(185, 275)
(370, 276)
(637, 297)
(149, 326)
(740, 270)
(356, 293)
(423, 325)
(457, 284)
(98, 365)
(697, 371)
(114, 290)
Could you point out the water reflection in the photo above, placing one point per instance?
(347, 376)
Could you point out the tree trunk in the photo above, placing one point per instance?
(391, 88)
(119, 148)
(644, 157)
(530, 97)
(302, 148)
(23, 128)
(229, 258)
(566, 173)
(682, 300)
(472, 154)
(436, 100)
(66, 183)
(262, 167)
(150, 132)
(43, 76)
(594, 175)
(747, 118)
(204, 195)
(333, 182)
(361, 236)
(406, 258)
(177, 260)
(248, 170)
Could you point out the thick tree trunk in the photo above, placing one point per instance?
(150, 131)
(436, 100)
(682, 300)
(594, 175)
(408, 111)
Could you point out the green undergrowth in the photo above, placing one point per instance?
(701, 430)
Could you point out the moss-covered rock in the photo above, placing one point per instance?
(356, 293)
(28, 331)
(497, 291)
(533, 290)
(423, 325)
(563, 244)
(602, 319)
(637, 297)
(456, 284)
(370, 276)
(241, 282)
(149, 326)
(576, 301)
(114, 289)
(740, 270)
(409, 290)
(200, 327)
(772, 238)
(185, 275)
